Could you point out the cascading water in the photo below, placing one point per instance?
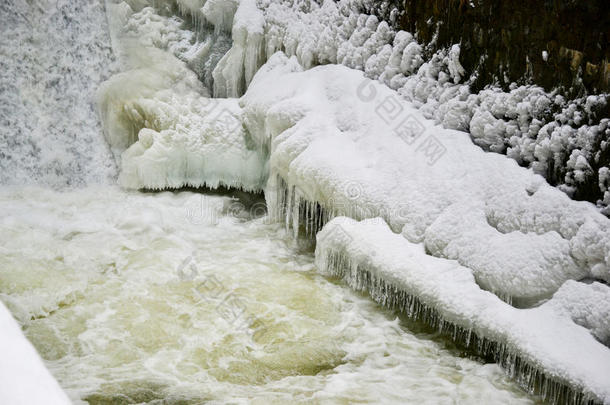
(51, 132)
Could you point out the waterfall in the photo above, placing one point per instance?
(55, 53)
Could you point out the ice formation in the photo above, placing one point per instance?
(25, 379)
(177, 136)
(161, 123)
(536, 345)
(235, 70)
(565, 141)
(429, 183)
(191, 141)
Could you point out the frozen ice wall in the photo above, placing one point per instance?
(159, 118)
(54, 56)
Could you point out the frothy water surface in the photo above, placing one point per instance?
(182, 298)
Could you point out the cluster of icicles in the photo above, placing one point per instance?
(305, 218)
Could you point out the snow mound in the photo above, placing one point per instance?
(533, 344)
(355, 148)
(462, 232)
(587, 305)
(25, 379)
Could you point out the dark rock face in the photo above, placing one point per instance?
(504, 41)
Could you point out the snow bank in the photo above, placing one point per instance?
(24, 379)
(538, 346)
(355, 148)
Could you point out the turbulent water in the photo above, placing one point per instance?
(184, 298)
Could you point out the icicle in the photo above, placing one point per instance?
(362, 277)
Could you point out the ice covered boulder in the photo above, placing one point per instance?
(511, 263)
(24, 379)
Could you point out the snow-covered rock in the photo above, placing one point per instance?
(511, 263)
